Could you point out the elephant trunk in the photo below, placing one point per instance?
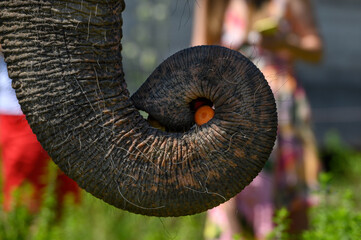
(65, 62)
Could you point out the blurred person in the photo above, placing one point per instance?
(273, 34)
(24, 161)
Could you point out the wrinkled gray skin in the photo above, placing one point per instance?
(65, 61)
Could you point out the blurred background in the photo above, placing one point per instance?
(155, 29)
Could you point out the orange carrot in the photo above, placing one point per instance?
(203, 114)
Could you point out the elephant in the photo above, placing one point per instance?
(64, 58)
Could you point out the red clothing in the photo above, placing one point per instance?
(24, 160)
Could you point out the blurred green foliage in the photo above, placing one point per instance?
(335, 218)
(93, 219)
(343, 162)
(282, 223)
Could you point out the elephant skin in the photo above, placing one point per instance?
(65, 61)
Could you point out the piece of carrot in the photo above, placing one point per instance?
(203, 114)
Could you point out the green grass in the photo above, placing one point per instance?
(94, 219)
(335, 218)
(101, 221)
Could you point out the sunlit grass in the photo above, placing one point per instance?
(92, 219)
(99, 220)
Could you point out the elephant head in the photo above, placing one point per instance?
(65, 61)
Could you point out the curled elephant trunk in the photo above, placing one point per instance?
(65, 62)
